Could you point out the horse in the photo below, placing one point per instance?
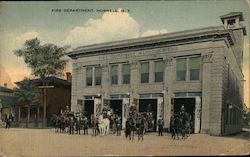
(118, 126)
(129, 128)
(180, 125)
(56, 121)
(65, 123)
(103, 125)
(185, 124)
(62, 124)
(85, 125)
(141, 129)
(94, 123)
(175, 125)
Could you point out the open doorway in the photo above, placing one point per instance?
(189, 105)
(149, 106)
(89, 108)
(116, 106)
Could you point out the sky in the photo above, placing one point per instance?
(54, 22)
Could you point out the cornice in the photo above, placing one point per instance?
(156, 42)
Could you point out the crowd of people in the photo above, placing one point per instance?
(136, 124)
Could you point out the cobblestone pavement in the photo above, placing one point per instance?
(17, 142)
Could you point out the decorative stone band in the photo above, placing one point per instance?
(169, 61)
(207, 58)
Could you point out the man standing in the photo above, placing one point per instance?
(7, 121)
(160, 126)
(71, 126)
(85, 125)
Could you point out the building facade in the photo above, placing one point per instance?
(200, 69)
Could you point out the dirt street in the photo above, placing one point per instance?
(45, 142)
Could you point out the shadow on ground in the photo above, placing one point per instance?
(244, 135)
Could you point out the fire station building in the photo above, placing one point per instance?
(200, 69)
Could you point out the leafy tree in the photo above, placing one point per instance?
(26, 94)
(44, 60)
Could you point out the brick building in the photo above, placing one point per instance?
(200, 69)
(7, 101)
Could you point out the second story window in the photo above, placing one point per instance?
(114, 74)
(89, 76)
(126, 73)
(194, 67)
(98, 76)
(145, 72)
(159, 70)
(181, 69)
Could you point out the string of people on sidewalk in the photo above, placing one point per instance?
(107, 122)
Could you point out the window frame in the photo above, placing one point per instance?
(87, 82)
(189, 68)
(99, 67)
(155, 73)
(123, 75)
(111, 76)
(148, 74)
(186, 68)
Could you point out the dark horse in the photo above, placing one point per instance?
(140, 128)
(180, 124)
(130, 128)
(56, 122)
(94, 123)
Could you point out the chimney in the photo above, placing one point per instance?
(5, 85)
(68, 77)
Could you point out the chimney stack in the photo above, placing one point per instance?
(5, 85)
(68, 77)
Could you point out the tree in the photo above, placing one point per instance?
(26, 94)
(44, 60)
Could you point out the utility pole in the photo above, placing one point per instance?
(44, 101)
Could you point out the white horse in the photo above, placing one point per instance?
(104, 124)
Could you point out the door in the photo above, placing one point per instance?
(88, 108)
(189, 105)
(149, 106)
